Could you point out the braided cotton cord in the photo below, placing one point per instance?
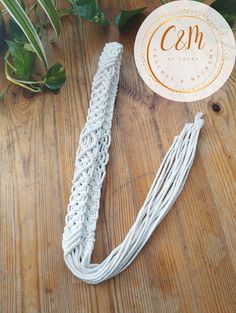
(91, 159)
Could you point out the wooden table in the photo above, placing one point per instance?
(189, 264)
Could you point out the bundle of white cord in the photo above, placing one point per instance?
(92, 157)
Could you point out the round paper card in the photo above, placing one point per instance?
(185, 50)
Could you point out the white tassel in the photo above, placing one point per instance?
(92, 157)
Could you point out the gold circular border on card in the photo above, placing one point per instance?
(158, 80)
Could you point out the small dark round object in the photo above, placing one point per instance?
(215, 107)
(29, 95)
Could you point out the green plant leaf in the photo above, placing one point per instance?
(65, 11)
(126, 15)
(15, 32)
(28, 47)
(55, 77)
(2, 32)
(22, 60)
(51, 11)
(230, 19)
(34, 86)
(227, 8)
(20, 17)
(22, 3)
(89, 10)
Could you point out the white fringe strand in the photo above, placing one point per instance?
(91, 159)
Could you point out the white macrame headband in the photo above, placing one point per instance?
(90, 169)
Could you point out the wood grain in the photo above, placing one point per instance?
(189, 264)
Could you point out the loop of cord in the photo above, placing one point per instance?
(91, 159)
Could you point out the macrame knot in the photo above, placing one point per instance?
(90, 169)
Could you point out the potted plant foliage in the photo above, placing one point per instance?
(25, 34)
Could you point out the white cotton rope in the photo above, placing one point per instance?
(91, 159)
